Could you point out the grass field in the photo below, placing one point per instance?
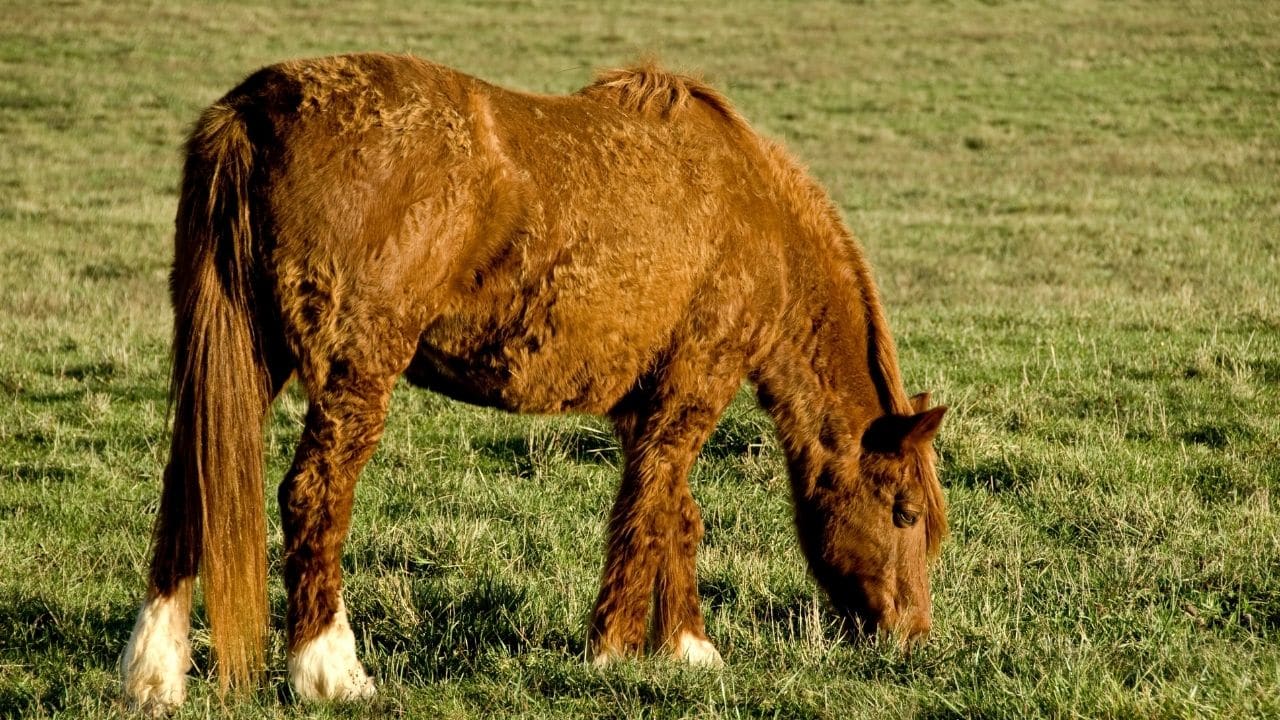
(1074, 214)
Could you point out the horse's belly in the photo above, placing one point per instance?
(530, 371)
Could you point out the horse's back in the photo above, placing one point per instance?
(542, 251)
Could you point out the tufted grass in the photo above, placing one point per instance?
(1073, 210)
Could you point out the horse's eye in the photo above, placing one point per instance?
(905, 517)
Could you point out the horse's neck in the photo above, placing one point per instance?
(835, 370)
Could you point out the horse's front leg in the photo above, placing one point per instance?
(678, 627)
(654, 527)
(344, 421)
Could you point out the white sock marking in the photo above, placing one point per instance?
(697, 651)
(604, 658)
(154, 665)
(326, 667)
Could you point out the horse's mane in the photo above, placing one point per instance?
(647, 87)
(882, 353)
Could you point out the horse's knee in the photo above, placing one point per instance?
(689, 527)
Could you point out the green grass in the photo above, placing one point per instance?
(1074, 213)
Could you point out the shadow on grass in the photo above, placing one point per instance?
(46, 643)
(138, 392)
(739, 433)
(31, 624)
(456, 629)
(39, 472)
(995, 475)
(525, 451)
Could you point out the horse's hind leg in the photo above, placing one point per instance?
(654, 527)
(155, 662)
(344, 422)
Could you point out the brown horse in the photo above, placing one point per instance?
(634, 250)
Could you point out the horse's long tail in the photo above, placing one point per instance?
(219, 393)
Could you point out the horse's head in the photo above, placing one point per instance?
(874, 521)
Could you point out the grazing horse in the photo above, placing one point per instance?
(633, 250)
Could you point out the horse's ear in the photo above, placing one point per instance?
(920, 402)
(924, 426)
(894, 433)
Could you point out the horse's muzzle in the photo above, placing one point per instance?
(908, 629)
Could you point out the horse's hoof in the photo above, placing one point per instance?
(698, 652)
(158, 699)
(153, 668)
(325, 668)
(605, 658)
(158, 704)
(321, 672)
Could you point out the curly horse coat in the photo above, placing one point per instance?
(633, 250)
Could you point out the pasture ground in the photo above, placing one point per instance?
(1074, 213)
